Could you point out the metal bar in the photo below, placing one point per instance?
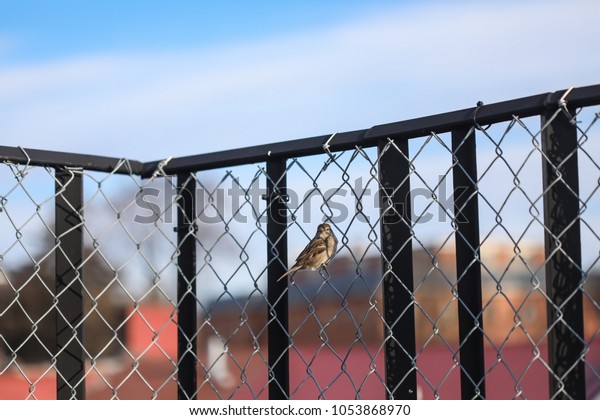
(277, 296)
(255, 154)
(579, 97)
(396, 244)
(58, 160)
(187, 358)
(70, 360)
(363, 138)
(563, 256)
(468, 264)
(441, 123)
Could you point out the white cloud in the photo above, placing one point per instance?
(403, 63)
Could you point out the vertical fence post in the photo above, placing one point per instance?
(187, 358)
(70, 361)
(563, 256)
(397, 259)
(468, 264)
(278, 333)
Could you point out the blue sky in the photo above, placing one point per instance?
(149, 79)
(60, 28)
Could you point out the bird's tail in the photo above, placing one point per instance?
(290, 271)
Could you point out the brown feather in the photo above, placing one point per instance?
(319, 251)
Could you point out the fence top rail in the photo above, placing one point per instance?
(440, 123)
(49, 158)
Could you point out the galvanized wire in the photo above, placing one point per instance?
(337, 332)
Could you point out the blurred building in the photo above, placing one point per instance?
(336, 335)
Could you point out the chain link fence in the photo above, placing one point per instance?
(466, 266)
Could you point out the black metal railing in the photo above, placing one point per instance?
(559, 143)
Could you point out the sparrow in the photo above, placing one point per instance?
(319, 251)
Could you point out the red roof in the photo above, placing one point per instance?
(152, 338)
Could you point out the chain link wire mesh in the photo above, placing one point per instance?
(337, 327)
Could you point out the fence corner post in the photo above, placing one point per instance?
(70, 360)
(187, 331)
(397, 260)
(563, 254)
(468, 263)
(277, 296)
